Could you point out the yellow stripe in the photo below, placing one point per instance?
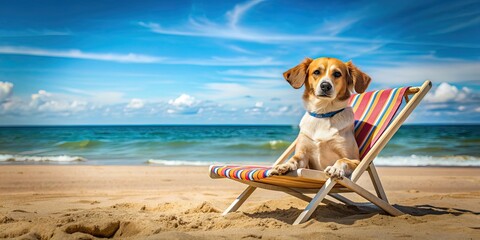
(243, 174)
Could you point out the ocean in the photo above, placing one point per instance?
(413, 145)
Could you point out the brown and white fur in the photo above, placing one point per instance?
(326, 144)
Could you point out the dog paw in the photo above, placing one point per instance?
(335, 172)
(280, 169)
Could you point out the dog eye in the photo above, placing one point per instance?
(337, 74)
(316, 72)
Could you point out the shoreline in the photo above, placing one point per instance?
(145, 164)
(179, 202)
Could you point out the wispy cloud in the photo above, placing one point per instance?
(75, 53)
(205, 28)
(35, 33)
(255, 73)
(458, 26)
(223, 61)
(240, 49)
(138, 58)
(230, 29)
(239, 10)
(336, 26)
(414, 72)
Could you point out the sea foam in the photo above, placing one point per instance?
(21, 158)
(393, 161)
(441, 161)
(180, 162)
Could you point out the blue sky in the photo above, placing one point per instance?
(209, 62)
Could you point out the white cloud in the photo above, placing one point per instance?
(448, 93)
(40, 97)
(284, 109)
(183, 100)
(44, 101)
(135, 103)
(184, 104)
(6, 89)
(259, 104)
(461, 108)
(477, 109)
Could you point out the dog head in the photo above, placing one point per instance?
(327, 79)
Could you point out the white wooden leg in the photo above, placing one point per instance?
(240, 200)
(370, 197)
(322, 193)
(377, 184)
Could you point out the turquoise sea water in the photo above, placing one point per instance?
(413, 145)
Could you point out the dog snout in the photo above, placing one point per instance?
(325, 87)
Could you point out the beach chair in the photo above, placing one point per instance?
(376, 121)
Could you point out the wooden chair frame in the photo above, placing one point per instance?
(345, 184)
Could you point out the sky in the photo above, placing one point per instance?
(221, 62)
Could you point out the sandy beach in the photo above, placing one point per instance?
(149, 202)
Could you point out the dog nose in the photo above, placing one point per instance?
(325, 86)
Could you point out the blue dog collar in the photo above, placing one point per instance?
(324, 115)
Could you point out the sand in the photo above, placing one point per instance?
(150, 202)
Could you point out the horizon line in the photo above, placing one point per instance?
(208, 124)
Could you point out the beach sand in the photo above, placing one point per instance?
(150, 202)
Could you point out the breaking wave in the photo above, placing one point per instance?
(178, 162)
(21, 158)
(424, 161)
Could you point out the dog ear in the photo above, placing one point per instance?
(297, 75)
(360, 79)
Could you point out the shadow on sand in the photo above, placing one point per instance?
(344, 214)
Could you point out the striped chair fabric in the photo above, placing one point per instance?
(373, 113)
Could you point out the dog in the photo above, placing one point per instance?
(326, 140)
